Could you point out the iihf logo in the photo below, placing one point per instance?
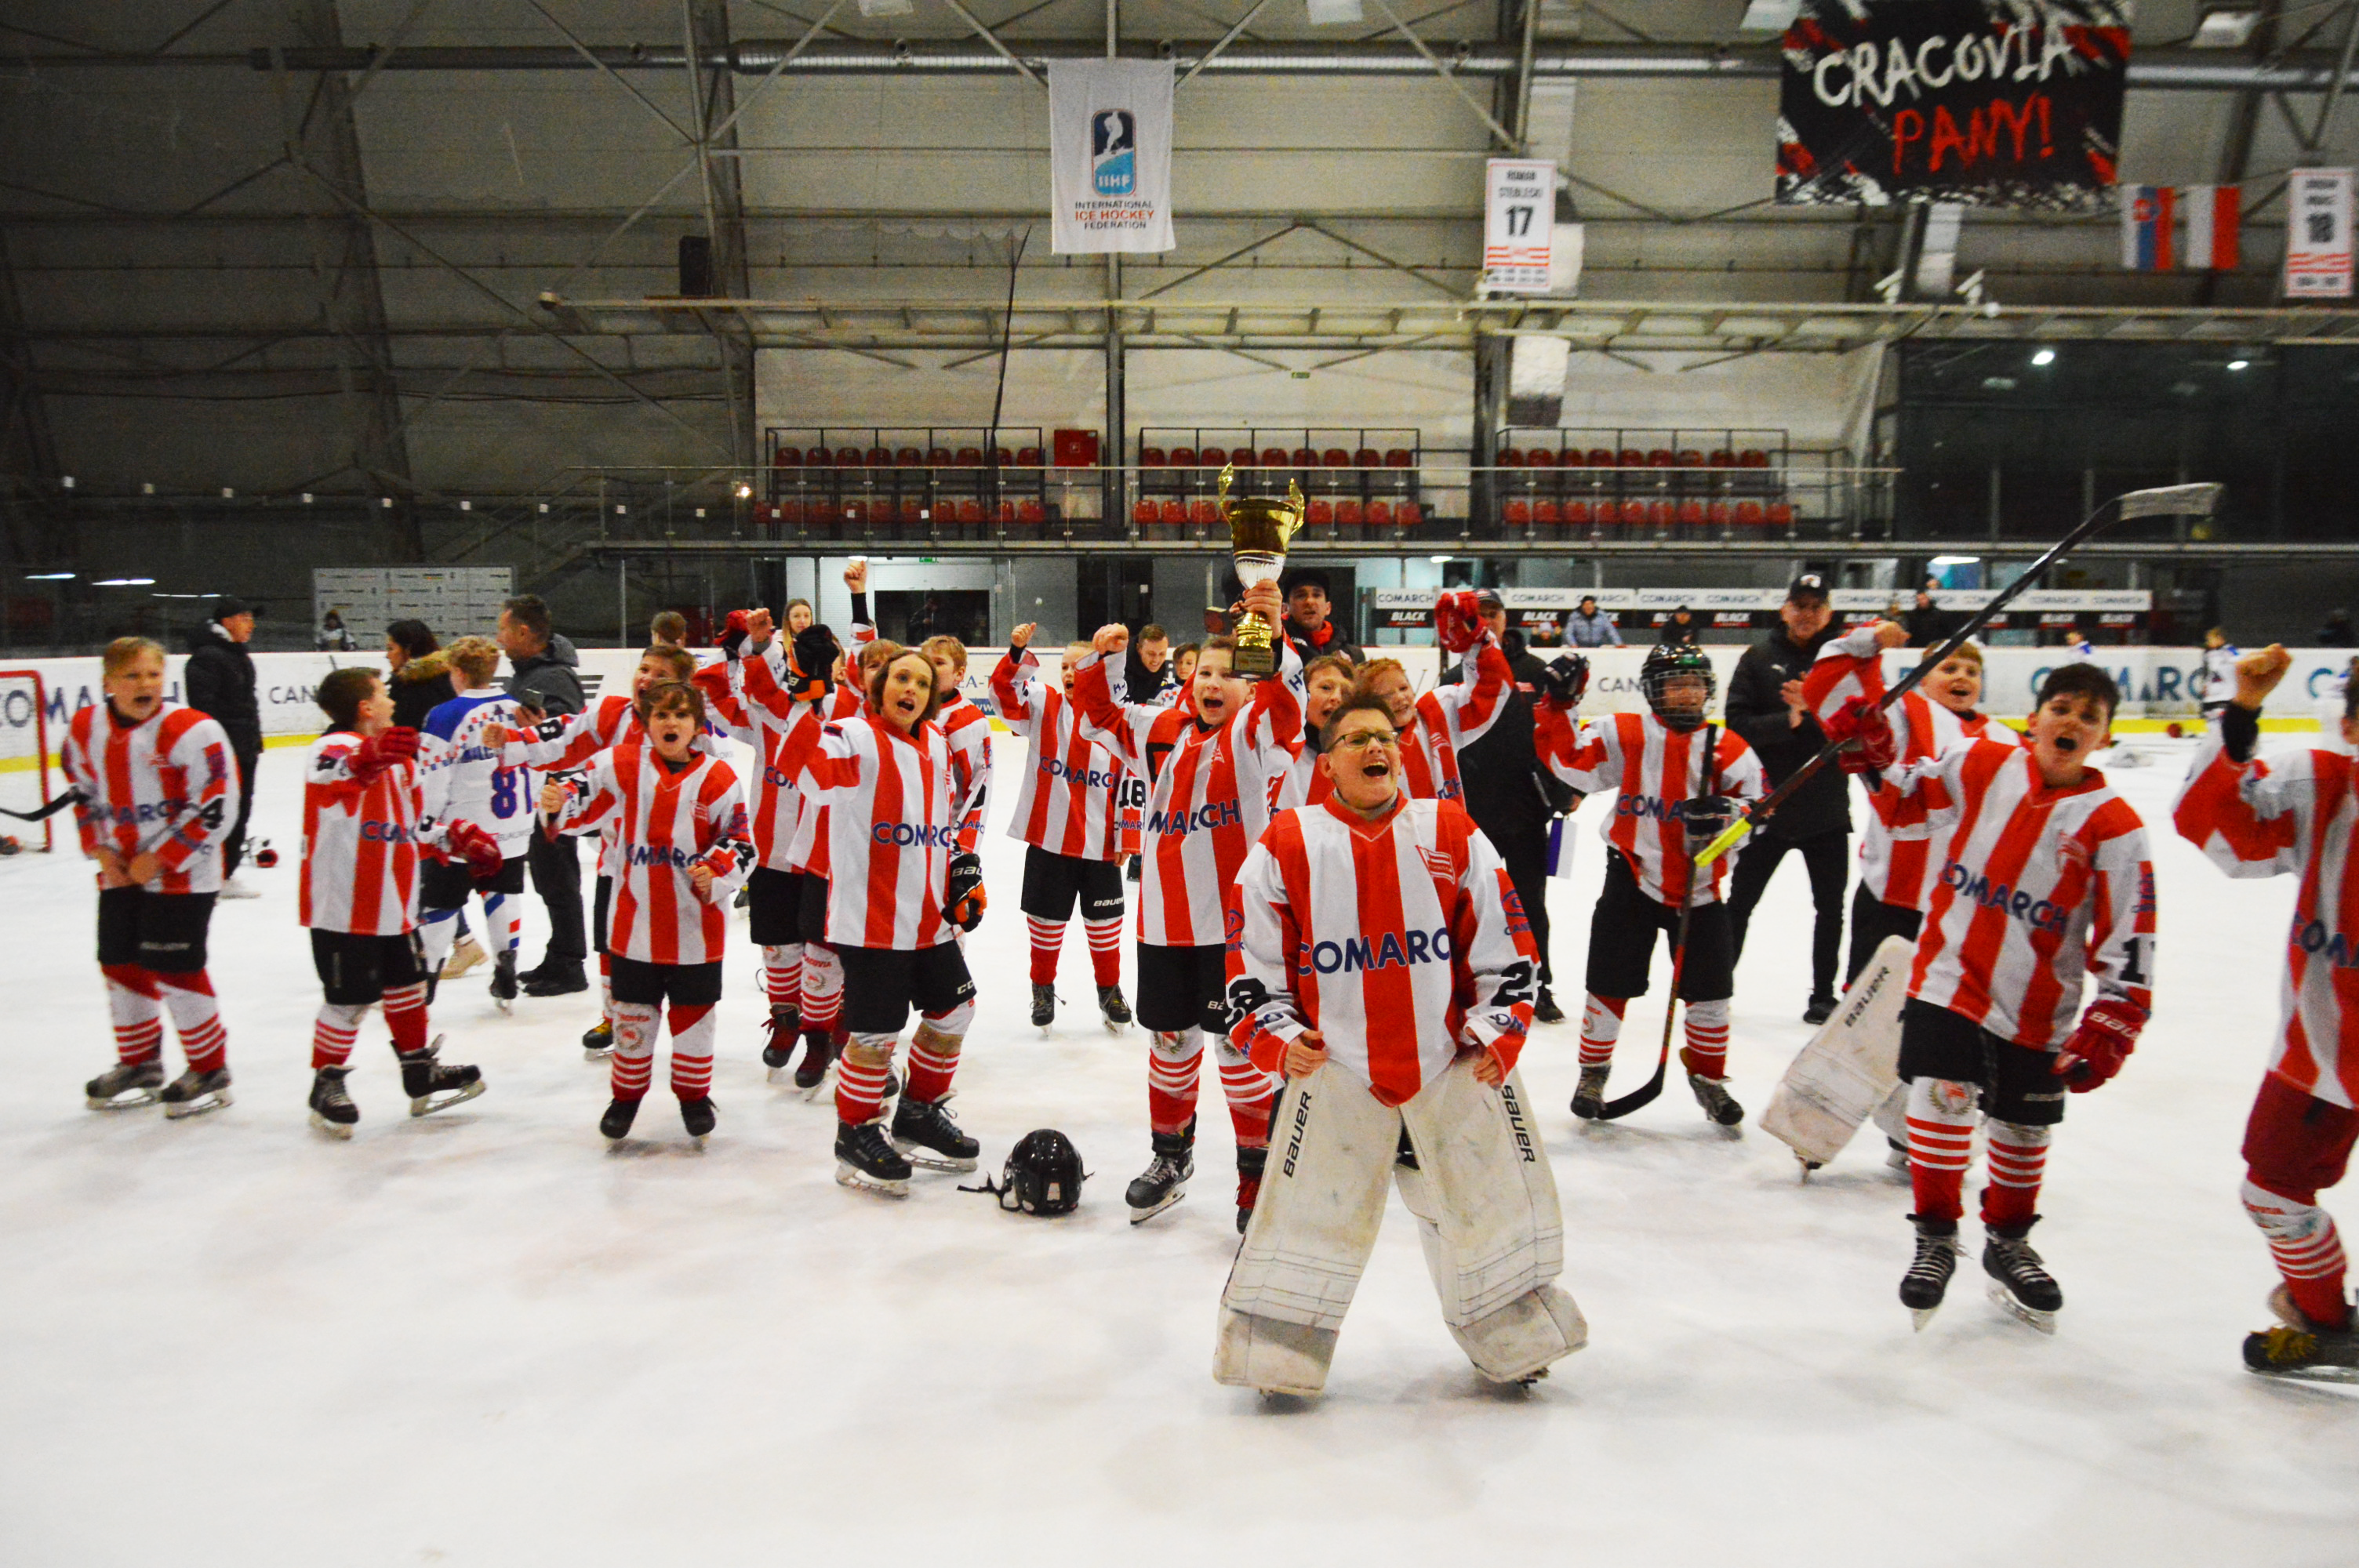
(1114, 157)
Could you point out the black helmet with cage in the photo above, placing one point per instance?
(1670, 662)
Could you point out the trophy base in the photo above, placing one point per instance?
(1254, 663)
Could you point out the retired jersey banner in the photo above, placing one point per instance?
(2318, 235)
(1519, 225)
(1109, 154)
(1985, 102)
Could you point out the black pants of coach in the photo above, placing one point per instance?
(1873, 920)
(555, 867)
(234, 850)
(1826, 858)
(1525, 857)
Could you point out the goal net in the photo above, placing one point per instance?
(28, 774)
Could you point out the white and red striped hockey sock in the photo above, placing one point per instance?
(1252, 1093)
(1105, 949)
(782, 977)
(691, 1050)
(1940, 1142)
(2018, 1158)
(332, 1033)
(502, 922)
(2308, 1250)
(1707, 1031)
(1048, 937)
(823, 986)
(933, 1061)
(1601, 1026)
(196, 1018)
(1173, 1059)
(634, 1057)
(405, 1017)
(860, 1077)
(138, 1014)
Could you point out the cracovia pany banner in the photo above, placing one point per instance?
(1985, 103)
(1109, 154)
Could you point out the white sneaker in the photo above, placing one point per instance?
(233, 888)
(465, 953)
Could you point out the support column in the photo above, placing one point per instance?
(1490, 380)
(715, 103)
(1118, 412)
(38, 526)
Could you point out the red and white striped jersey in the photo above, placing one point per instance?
(661, 823)
(1446, 718)
(1069, 801)
(967, 728)
(807, 853)
(2028, 888)
(1892, 870)
(1208, 793)
(890, 827)
(2295, 813)
(359, 842)
(569, 743)
(1653, 769)
(1396, 940)
(786, 735)
(167, 783)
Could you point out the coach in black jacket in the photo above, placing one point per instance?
(219, 682)
(1765, 706)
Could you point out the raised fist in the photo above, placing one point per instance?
(1021, 638)
(1865, 734)
(1563, 681)
(1111, 639)
(2257, 675)
(1458, 619)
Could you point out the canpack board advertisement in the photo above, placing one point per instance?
(1983, 103)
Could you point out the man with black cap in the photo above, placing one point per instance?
(1307, 626)
(1765, 707)
(1510, 796)
(218, 682)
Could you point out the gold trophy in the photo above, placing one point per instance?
(1259, 527)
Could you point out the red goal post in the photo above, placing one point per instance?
(28, 757)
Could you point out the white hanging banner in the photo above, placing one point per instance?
(2318, 235)
(1110, 155)
(1519, 224)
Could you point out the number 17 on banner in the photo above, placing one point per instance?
(1519, 224)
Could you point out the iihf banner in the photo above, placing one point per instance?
(1985, 102)
(1109, 154)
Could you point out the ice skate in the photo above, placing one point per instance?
(784, 1024)
(598, 1041)
(926, 1125)
(431, 1086)
(1044, 1005)
(124, 1086)
(1251, 1162)
(333, 1110)
(813, 1073)
(1712, 1094)
(1113, 1009)
(1589, 1098)
(864, 1158)
(504, 981)
(2298, 1347)
(698, 1115)
(616, 1125)
(1821, 1008)
(194, 1093)
(1164, 1180)
(1545, 1010)
(1927, 1279)
(465, 953)
(2019, 1285)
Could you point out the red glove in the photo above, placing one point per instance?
(2108, 1033)
(378, 753)
(1458, 620)
(734, 632)
(1862, 721)
(465, 841)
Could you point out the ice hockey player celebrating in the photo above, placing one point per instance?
(676, 829)
(1327, 680)
(362, 819)
(1679, 783)
(1382, 963)
(155, 787)
(2038, 872)
(967, 728)
(899, 890)
(1067, 814)
(1436, 726)
(1212, 766)
(2298, 813)
(465, 781)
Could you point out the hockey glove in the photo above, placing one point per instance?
(1707, 815)
(1459, 620)
(1873, 746)
(378, 753)
(812, 659)
(734, 632)
(963, 902)
(465, 841)
(2108, 1033)
(1563, 680)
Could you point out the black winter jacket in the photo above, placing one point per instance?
(1307, 647)
(420, 688)
(218, 682)
(1508, 794)
(1756, 712)
(547, 680)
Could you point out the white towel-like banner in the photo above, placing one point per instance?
(1109, 154)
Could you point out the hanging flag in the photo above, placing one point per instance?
(2318, 235)
(2147, 212)
(2213, 217)
(1110, 155)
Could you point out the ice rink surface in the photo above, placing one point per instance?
(483, 1338)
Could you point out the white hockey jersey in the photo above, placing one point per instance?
(465, 781)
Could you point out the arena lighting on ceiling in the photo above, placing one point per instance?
(124, 582)
(65, 481)
(873, 9)
(2226, 27)
(1334, 13)
(1953, 560)
(2240, 364)
(1768, 15)
(48, 576)
(744, 492)
(307, 498)
(2044, 357)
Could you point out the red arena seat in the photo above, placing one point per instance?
(823, 512)
(1408, 514)
(1183, 456)
(1577, 513)
(970, 510)
(1349, 513)
(913, 509)
(789, 514)
(788, 458)
(938, 457)
(1335, 458)
(1031, 513)
(1519, 513)
(1030, 458)
(1659, 513)
(1721, 459)
(1661, 458)
(1634, 513)
(1203, 511)
(818, 457)
(1245, 457)
(1753, 458)
(1539, 458)
(1632, 458)
(1399, 458)
(1150, 457)
(1717, 513)
(1007, 512)
(1689, 458)
(879, 458)
(1780, 515)
(1691, 513)
(1601, 457)
(1511, 457)
(1143, 512)
(1273, 456)
(1319, 513)
(1547, 512)
(1304, 458)
(970, 458)
(1380, 515)
(1748, 514)
(1368, 458)
(1173, 511)
(847, 457)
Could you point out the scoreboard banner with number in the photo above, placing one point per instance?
(1519, 224)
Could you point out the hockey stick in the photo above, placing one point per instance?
(52, 809)
(1615, 1109)
(2164, 500)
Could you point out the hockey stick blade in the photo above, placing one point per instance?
(2171, 501)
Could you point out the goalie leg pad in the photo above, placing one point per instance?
(1322, 1198)
(1851, 1066)
(1271, 1354)
(1520, 1339)
(1483, 1190)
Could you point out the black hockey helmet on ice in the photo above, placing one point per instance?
(1668, 661)
(1043, 1174)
